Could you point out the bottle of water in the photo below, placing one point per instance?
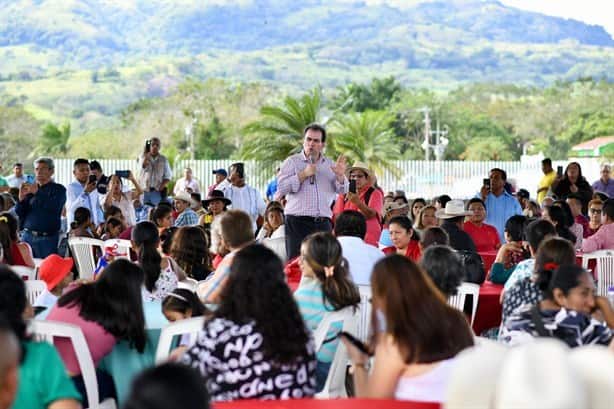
(611, 295)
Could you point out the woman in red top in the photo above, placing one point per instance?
(367, 200)
(14, 252)
(402, 235)
(484, 235)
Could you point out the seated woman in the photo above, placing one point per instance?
(604, 238)
(512, 252)
(117, 197)
(416, 206)
(162, 217)
(595, 207)
(391, 210)
(413, 355)
(43, 382)
(485, 236)
(14, 252)
(567, 311)
(325, 286)
(107, 310)
(445, 267)
(216, 204)
(570, 222)
(273, 232)
(189, 249)
(256, 310)
(112, 228)
(403, 240)
(556, 216)
(82, 225)
(426, 218)
(161, 273)
(433, 236)
(526, 291)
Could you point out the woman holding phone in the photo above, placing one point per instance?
(117, 197)
(416, 336)
(363, 197)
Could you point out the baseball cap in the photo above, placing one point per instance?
(53, 269)
(220, 172)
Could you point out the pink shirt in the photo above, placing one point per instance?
(99, 341)
(306, 198)
(376, 202)
(602, 240)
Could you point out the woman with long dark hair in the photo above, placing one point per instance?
(556, 215)
(161, 273)
(14, 252)
(573, 182)
(107, 310)
(43, 382)
(567, 311)
(190, 249)
(257, 311)
(325, 286)
(416, 335)
(82, 225)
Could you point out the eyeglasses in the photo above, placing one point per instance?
(595, 211)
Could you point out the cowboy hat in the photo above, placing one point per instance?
(185, 197)
(216, 195)
(454, 208)
(363, 167)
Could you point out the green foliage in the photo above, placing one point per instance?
(376, 96)
(367, 137)
(53, 140)
(212, 141)
(279, 131)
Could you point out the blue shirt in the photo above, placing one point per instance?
(42, 211)
(499, 209)
(271, 189)
(608, 188)
(187, 218)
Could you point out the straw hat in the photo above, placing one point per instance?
(363, 167)
(185, 197)
(454, 208)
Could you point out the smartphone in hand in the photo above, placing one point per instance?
(486, 182)
(122, 174)
(91, 179)
(352, 188)
(356, 342)
(559, 171)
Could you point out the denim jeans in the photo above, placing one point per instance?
(42, 246)
(322, 369)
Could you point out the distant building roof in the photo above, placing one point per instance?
(594, 143)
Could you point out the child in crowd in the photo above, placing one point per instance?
(56, 272)
(112, 228)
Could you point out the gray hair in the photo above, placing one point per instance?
(46, 161)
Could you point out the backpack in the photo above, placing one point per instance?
(474, 266)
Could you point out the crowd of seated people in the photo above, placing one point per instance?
(203, 258)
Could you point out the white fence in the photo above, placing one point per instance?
(418, 178)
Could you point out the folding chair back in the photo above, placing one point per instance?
(84, 252)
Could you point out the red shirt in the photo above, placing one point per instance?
(413, 251)
(485, 237)
(376, 202)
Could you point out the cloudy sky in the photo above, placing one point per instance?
(599, 12)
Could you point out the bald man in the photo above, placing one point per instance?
(9, 366)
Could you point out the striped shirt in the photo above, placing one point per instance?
(311, 304)
(308, 199)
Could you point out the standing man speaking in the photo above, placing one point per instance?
(310, 182)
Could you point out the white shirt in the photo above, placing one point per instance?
(248, 199)
(361, 258)
(77, 197)
(183, 184)
(45, 299)
(15, 181)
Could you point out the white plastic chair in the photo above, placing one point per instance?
(34, 288)
(47, 330)
(188, 284)
(365, 312)
(458, 300)
(83, 250)
(190, 326)
(122, 247)
(335, 382)
(604, 267)
(24, 272)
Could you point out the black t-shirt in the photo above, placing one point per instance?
(230, 358)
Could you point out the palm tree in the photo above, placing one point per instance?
(53, 140)
(279, 132)
(367, 137)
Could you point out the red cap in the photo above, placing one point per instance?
(53, 269)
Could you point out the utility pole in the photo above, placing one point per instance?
(441, 142)
(426, 145)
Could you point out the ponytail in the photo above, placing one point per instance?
(149, 260)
